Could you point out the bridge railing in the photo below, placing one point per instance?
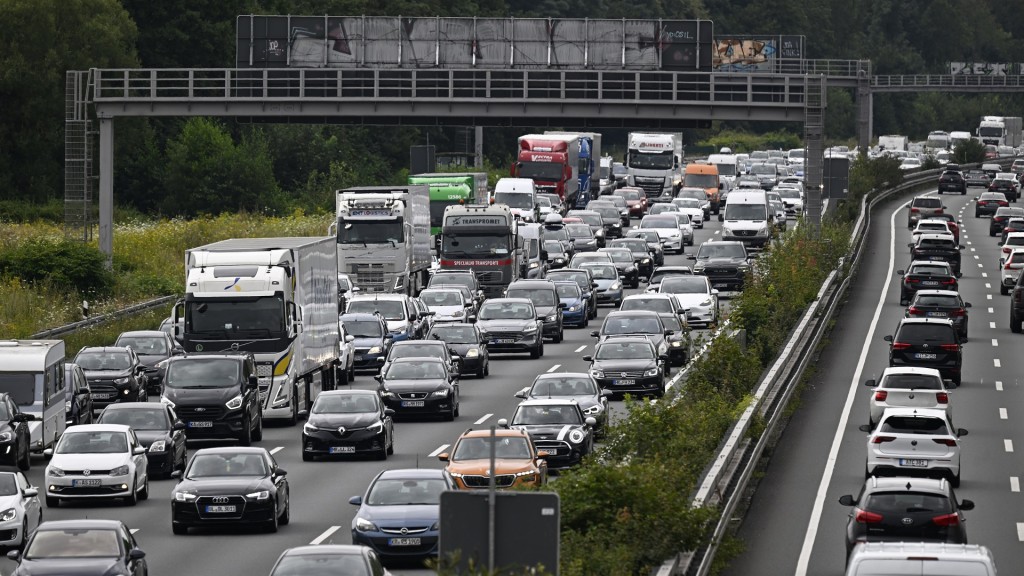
(946, 80)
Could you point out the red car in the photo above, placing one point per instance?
(636, 200)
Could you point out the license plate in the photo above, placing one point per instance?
(201, 424)
(221, 509)
(342, 449)
(938, 314)
(624, 382)
(504, 341)
(935, 257)
(83, 483)
(930, 283)
(719, 285)
(925, 356)
(96, 396)
(404, 541)
(412, 404)
(913, 463)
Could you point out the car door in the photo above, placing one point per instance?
(139, 460)
(138, 566)
(178, 449)
(280, 481)
(30, 504)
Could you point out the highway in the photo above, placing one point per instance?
(320, 490)
(795, 523)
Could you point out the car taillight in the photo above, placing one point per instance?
(1003, 203)
(946, 441)
(960, 312)
(865, 517)
(914, 210)
(1006, 265)
(942, 398)
(882, 439)
(900, 345)
(881, 395)
(950, 347)
(1006, 249)
(947, 520)
(939, 211)
(913, 310)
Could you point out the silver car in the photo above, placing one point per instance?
(908, 387)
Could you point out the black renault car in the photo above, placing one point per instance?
(347, 422)
(420, 387)
(628, 364)
(215, 395)
(159, 431)
(643, 257)
(78, 402)
(927, 343)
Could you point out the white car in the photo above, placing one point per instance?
(792, 198)
(685, 227)
(1008, 272)
(910, 163)
(930, 226)
(914, 441)
(447, 304)
(908, 387)
(346, 355)
(691, 207)
(668, 230)
(97, 461)
(20, 510)
(1013, 241)
(694, 295)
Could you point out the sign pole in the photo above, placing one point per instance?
(491, 504)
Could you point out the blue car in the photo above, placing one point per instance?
(400, 514)
(372, 340)
(609, 287)
(575, 312)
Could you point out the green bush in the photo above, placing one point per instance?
(62, 262)
(969, 151)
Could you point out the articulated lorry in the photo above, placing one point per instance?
(590, 166)
(484, 239)
(383, 235)
(448, 188)
(1000, 130)
(276, 298)
(552, 162)
(653, 162)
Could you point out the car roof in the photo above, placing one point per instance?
(508, 301)
(418, 359)
(612, 338)
(451, 325)
(904, 483)
(660, 295)
(352, 392)
(130, 405)
(929, 262)
(430, 341)
(943, 321)
(547, 284)
(412, 473)
(549, 402)
(153, 333)
(547, 375)
(359, 316)
(100, 428)
(937, 293)
(80, 524)
(378, 297)
(227, 449)
(484, 433)
(911, 370)
(328, 549)
(104, 349)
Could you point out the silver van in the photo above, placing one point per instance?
(920, 559)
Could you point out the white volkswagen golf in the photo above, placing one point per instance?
(914, 441)
(97, 461)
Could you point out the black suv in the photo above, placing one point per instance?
(115, 374)
(937, 247)
(999, 219)
(926, 275)
(1017, 305)
(927, 343)
(723, 262)
(215, 395)
(952, 181)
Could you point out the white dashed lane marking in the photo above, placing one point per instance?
(992, 311)
(984, 274)
(276, 450)
(1014, 484)
(997, 363)
(327, 534)
(995, 342)
(988, 285)
(440, 449)
(1008, 444)
(134, 530)
(1020, 531)
(483, 419)
(581, 348)
(988, 296)
(992, 325)
(999, 386)
(555, 367)
(1002, 413)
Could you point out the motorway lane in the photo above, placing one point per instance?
(320, 490)
(811, 541)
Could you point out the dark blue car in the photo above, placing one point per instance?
(400, 513)
(576, 312)
(372, 340)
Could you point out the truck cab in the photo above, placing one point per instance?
(520, 195)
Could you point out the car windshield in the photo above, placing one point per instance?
(631, 325)
(911, 381)
(92, 442)
(664, 222)
(789, 193)
(455, 334)
(520, 200)
(609, 213)
(624, 351)
(543, 202)
(8, 484)
(467, 280)
(660, 275)
(579, 278)
(405, 492)
(364, 328)
(745, 212)
(547, 414)
(925, 333)
(538, 297)
(203, 373)
(506, 311)
(210, 465)
(914, 425)
(701, 180)
(74, 543)
(554, 247)
(568, 290)
(721, 251)
(764, 169)
(103, 360)
(145, 344)
(441, 298)
(137, 418)
(639, 245)
(415, 349)
(415, 371)
(563, 386)
(480, 448)
(321, 564)
(620, 255)
(662, 208)
(390, 309)
(630, 194)
(687, 202)
(661, 305)
(603, 272)
(685, 285)
(697, 194)
(579, 231)
(927, 203)
(345, 404)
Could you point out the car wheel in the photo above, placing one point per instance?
(144, 493)
(1015, 323)
(382, 454)
(537, 352)
(25, 459)
(294, 417)
(341, 376)
(286, 516)
(179, 529)
(954, 481)
(258, 434)
(561, 336)
(1003, 290)
(245, 438)
(133, 498)
(635, 283)
(661, 390)
(867, 473)
(271, 525)
(184, 461)
(391, 445)
(52, 502)
(542, 348)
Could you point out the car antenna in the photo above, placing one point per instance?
(417, 461)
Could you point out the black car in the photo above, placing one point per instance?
(115, 374)
(645, 323)
(952, 181)
(545, 301)
(78, 402)
(231, 486)
(420, 386)
(468, 343)
(582, 237)
(1005, 186)
(1017, 305)
(643, 258)
(941, 304)
(511, 325)
(611, 217)
(557, 426)
(343, 422)
(15, 437)
(216, 395)
(628, 364)
(590, 218)
(159, 431)
(672, 316)
(558, 255)
(422, 349)
(724, 262)
(347, 559)
(988, 202)
(905, 509)
(927, 343)
(584, 279)
(937, 247)
(464, 277)
(654, 246)
(152, 347)
(622, 258)
(81, 547)
(1002, 214)
(926, 275)
(371, 340)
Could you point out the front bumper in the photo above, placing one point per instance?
(333, 443)
(109, 487)
(10, 532)
(381, 543)
(223, 423)
(577, 318)
(609, 297)
(756, 241)
(424, 404)
(643, 385)
(194, 513)
(526, 342)
(368, 362)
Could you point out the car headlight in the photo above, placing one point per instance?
(599, 233)
(677, 344)
(551, 318)
(615, 286)
(375, 428)
(308, 428)
(530, 328)
(645, 261)
(574, 309)
(167, 401)
(726, 231)
(120, 471)
(258, 496)
(528, 476)
(235, 403)
(652, 372)
(595, 409)
(559, 260)
(457, 314)
(472, 353)
(122, 381)
(158, 446)
(386, 393)
(9, 514)
(534, 264)
(597, 373)
(707, 302)
(364, 525)
(6, 436)
(374, 350)
(55, 472)
(442, 393)
(184, 496)
(67, 405)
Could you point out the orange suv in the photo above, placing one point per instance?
(517, 461)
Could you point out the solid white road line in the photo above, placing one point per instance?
(837, 439)
(995, 342)
(997, 363)
(999, 386)
(276, 450)
(1020, 531)
(1002, 413)
(1014, 484)
(440, 449)
(483, 419)
(581, 348)
(327, 534)
(555, 367)
(1008, 444)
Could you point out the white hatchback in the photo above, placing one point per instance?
(914, 441)
(21, 510)
(97, 461)
(694, 295)
(908, 387)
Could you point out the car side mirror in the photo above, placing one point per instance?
(663, 357)
(593, 285)
(14, 555)
(356, 500)
(692, 257)
(669, 332)
(254, 382)
(48, 452)
(542, 454)
(870, 383)
(379, 378)
(721, 217)
(910, 245)
(887, 338)
(136, 554)
(847, 500)
(967, 505)
(960, 247)
(591, 421)
(563, 305)
(178, 425)
(961, 432)
(588, 358)
(595, 333)
(864, 428)
(30, 492)
(350, 338)
(967, 304)
(138, 450)
(901, 272)
(443, 456)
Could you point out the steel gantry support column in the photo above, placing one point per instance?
(814, 138)
(865, 101)
(106, 191)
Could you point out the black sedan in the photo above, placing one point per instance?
(159, 431)
(645, 323)
(467, 341)
(420, 386)
(231, 486)
(1001, 216)
(988, 202)
(328, 559)
(576, 386)
(81, 547)
(926, 275)
(152, 347)
(628, 364)
(643, 258)
(654, 246)
(15, 438)
(623, 260)
(345, 422)
(940, 304)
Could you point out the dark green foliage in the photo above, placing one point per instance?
(60, 262)
(969, 151)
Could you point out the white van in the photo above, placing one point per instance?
(728, 168)
(520, 195)
(747, 218)
(32, 373)
(920, 559)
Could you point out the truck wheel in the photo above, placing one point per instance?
(294, 417)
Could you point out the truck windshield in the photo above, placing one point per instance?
(700, 180)
(540, 171)
(482, 245)
(24, 388)
(515, 199)
(745, 212)
(370, 231)
(659, 161)
(990, 131)
(261, 317)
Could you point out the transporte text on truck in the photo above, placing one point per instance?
(552, 162)
(274, 297)
(484, 239)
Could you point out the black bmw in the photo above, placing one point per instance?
(348, 422)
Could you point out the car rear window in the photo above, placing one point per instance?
(914, 425)
(925, 333)
(936, 243)
(1017, 258)
(930, 270)
(1015, 241)
(927, 203)
(950, 177)
(911, 382)
(905, 502)
(936, 300)
(661, 305)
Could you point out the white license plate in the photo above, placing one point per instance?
(936, 258)
(412, 403)
(342, 449)
(503, 341)
(929, 283)
(404, 541)
(938, 314)
(220, 509)
(925, 356)
(913, 463)
(96, 396)
(719, 285)
(200, 424)
(85, 483)
(627, 382)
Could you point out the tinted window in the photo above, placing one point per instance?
(914, 425)
(344, 404)
(906, 503)
(506, 311)
(937, 300)
(480, 448)
(407, 492)
(455, 334)
(207, 465)
(137, 418)
(925, 333)
(547, 414)
(92, 443)
(415, 371)
(632, 325)
(563, 386)
(660, 305)
(364, 328)
(103, 360)
(390, 309)
(203, 373)
(927, 203)
(624, 351)
(911, 382)
(145, 344)
(539, 297)
(930, 269)
(76, 543)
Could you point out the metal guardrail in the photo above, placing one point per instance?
(102, 318)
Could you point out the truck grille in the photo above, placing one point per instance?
(651, 189)
(489, 276)
(369, 277)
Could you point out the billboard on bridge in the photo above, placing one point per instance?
(758, 54)
(534, 43)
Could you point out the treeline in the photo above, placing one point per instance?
(174, 166)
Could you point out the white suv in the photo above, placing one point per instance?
(914, 441)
